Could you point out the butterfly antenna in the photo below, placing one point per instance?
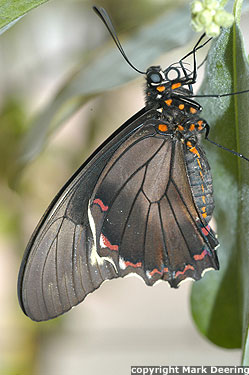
(210, 95)
(103, 15)
(197, 46)
(202, 63)
(218, 95)
(227, 149)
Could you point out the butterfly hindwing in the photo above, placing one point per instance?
(144, 216)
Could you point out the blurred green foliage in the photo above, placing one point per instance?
(220, 302)
(12, 11)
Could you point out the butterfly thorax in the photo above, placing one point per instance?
(173, 103)
(178, 117)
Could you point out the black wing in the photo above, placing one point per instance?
(58, 268)
(143, 214)
(128, 209)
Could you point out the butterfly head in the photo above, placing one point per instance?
(163, 83)
(172, 76)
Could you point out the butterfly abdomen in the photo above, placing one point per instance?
(200, 179)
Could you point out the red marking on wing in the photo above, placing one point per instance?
(155, 271)
(101, 204)
(200, 256)
(139, 264)
(206, 230)
(107, 243)
(187, 267)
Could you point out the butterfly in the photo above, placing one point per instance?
(140, 204)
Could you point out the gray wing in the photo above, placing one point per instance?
(61, 266)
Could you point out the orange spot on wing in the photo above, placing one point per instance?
(181, 106)
(162, 127)
(155, 271)
(192, 110)
(202, 188)
(166, 269)
(204, 215)
(100, 204)
(199, 163)
(192, 127)
(176, 85)
(203, 199)
(135, 265)
(160, 88)
(107, 243)
(200, 256)
(187, 267)
(206, 230)
(180, 127)
(168, 102)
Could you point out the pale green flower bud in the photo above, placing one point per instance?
(197, 26)
(212, 30)
(205, 17)
(211, 4)
(223, 18)
(196, 7)
(209, 16)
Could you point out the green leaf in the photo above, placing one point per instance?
(104, 72)
(237, 10)
(12, 11)
(220, 301)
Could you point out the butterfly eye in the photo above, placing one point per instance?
(172, 74)
(154, 78)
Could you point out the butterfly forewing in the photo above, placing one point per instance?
(59, 267)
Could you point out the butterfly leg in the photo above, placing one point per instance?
(197, 46)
